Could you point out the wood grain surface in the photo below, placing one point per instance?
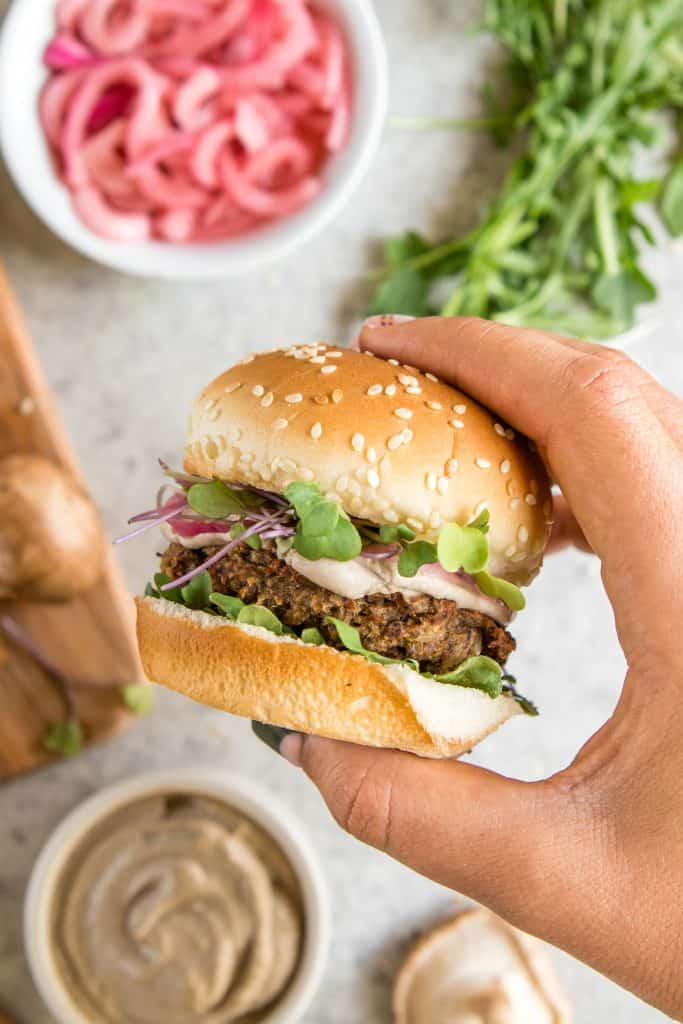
(92, 637)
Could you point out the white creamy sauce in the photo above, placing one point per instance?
(361, 577)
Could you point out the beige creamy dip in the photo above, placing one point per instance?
(176, 909)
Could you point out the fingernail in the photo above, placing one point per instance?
(271, 735)
(291, 748)
(385, 320)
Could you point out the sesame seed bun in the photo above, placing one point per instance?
(391, 443)
(249, 671)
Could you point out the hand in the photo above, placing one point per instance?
(598, 848)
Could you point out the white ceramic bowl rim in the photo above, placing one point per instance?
(254, 802)
(29, 25)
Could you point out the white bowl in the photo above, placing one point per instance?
(254, 802)
(28, 27)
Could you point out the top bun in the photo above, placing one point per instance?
(390, 443)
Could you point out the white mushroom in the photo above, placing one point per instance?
(51, 541)
(476, 969)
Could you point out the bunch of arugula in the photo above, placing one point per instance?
(558, 247)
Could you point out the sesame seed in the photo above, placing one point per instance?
(530, 498)
(458, 424)
(265, 474)
(316, 430)
(483, 463)
(416, 524)
(391, 515)
(510, 434)
(341, 484)
(460, 408)
(393, 362)
(511, 487)
(509, 550)
(247, 359)
(514, 503)
(430, 376)
(435, 520)
(354, 487)
(375, 389)
(321, 399)
(371, 455)
(434, 406)
(293, 399)
(358, 442)
(519, 557)
(258, 390)
(306, 474)
(478, 509)
(289, 466)
(505, 466)
(275, 464)
(233, 387)
(209, 404)
(451, 467)
(499, 429)
(431, 481)
(360, 472)
(317, 359)
(414, 391)
(403, 414)
(405, 378)
(442, 485)
(328, 369)
(334, 355)
(368, 353)
(406, 436)
(214, 414)
(234, 434)
(522, 535)
(390, 390)
(394, 442)
(267, 400)
(373, 478)
(410, 369)
(280, 424)
(337, 395)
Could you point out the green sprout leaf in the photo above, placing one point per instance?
(421, 552)
(254, 541)
(507, 592)
(138, 697)
(312, 636)
(464, 547)
(283, 545)
(324, 530)
(302, 497)
(257, 615)
(197, 592)
(321, 519)
(230, 606)
(478, 673)
(672, 200)
(64, 737)
(216, 500)
(396, 534)
(350, 637)
(160, 578)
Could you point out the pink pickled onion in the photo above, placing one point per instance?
(193, 120)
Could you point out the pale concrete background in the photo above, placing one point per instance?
(125, 357)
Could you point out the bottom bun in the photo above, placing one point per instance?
(312, 689)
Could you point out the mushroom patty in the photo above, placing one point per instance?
(434, 632)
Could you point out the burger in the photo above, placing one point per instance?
(345, 551)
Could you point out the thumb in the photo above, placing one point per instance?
(502, 842)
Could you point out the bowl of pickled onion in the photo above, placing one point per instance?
(190, 138)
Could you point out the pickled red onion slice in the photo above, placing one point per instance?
(193, 120)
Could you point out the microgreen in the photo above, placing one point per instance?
(215, 500)
(350, 637)
(312, 636)
(65, 737)
(510, 687)
(505, 591)
(227, 605)
(396, 534)
(463, 547)
(478, 673)
(324, 530)
(257, 615)
(558, 246)
(254, 541)
(415, 555)
(137, 697)
(197, 592)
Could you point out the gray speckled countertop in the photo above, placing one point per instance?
(125, 357)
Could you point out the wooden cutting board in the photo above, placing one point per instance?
(92, 637)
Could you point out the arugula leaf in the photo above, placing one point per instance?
(138, 697)
(257, 615)
(414, 555)
(312, 636)
(227, 605)
(254, 541)
(216, 500)
(396, 534)
(478, 673)
(197, 591)
(507, 592)
(464, 547)
(350, 637)
(64, 737)
(672, 200)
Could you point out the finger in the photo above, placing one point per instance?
(610, 454)
(494, 839)
(566, 531)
